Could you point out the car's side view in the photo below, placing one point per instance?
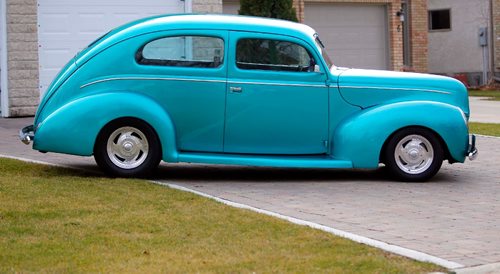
(247, 91)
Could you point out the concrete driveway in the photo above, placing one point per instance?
(483, 110)
(456, 216)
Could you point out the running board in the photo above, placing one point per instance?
(319, 161)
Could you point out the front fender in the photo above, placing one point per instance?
(360, 138)
(73, 128)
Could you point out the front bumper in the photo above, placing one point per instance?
(472, 150)
(27, 134)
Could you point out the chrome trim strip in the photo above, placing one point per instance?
(407, 89)
(149, 78)
(277, 84)
(196, 80)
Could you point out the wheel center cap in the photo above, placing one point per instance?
(128, 146)
(413, 154)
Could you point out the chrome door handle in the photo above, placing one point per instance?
(236, 89)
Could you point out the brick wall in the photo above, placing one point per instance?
(22, 46)
(207, 6)
(496, 35)
(418, 35)
(395, 35)
(299, 9)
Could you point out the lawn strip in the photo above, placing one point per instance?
(60, 220)
(485, 129)
(493, 95)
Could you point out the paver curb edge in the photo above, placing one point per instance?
(413, 254)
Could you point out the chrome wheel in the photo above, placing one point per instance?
(127, 147)
(414, 154)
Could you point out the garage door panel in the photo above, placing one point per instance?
(66, 27)
(370, 57)
(355, 35)
(55, 58)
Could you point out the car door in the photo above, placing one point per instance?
(276, 103)
(186, 73)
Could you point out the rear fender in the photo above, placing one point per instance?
(73, 128)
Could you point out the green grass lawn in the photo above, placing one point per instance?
(60, 220)
(491, 94)
(485, 129)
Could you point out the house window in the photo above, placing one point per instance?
(440, 20)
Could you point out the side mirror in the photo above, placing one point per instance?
(313, 67)
(317, 68)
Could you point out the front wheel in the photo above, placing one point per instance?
(127, 148)
(414, 154)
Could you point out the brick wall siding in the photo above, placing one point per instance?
(207, 6)
(496, 35)
(22, 61)
(395, 36)
(418, 35)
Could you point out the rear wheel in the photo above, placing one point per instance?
(127, 148)
(414, 154)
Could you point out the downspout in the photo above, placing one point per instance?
(492, 44)
(4, 64)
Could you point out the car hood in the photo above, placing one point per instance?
(366, 88)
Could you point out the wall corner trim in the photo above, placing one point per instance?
(3, 59)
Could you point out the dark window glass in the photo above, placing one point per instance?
(439, 20)
(263, 54)
(183, 51)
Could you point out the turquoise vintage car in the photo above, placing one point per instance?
(237, 90)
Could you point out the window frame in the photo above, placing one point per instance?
(429, 23)
(139, 57)
(311, 56)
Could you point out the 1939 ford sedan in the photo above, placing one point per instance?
(240, 90)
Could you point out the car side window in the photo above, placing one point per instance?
(265, 54)
(183, 51)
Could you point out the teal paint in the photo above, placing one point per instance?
(276, 118)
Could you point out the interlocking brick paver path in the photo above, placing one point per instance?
(456, 216)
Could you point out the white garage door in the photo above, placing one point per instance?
(355, 35)
(65, 27)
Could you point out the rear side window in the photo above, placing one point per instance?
(264, 54)
(183, 51)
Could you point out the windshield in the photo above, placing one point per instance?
(321, 47)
